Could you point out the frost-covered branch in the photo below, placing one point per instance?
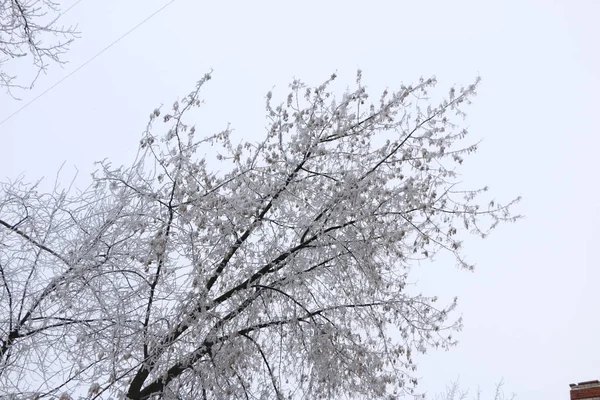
(454, 392)
(29, 30)
(269, 269)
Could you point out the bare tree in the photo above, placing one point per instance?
(265, 270)
(29, 30)
(454, 392)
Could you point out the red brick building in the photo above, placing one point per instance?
(589, 390)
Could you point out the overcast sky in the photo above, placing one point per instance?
(531, 308)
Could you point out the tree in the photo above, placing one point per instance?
(275, 269)
(29, 29)
(454, 392)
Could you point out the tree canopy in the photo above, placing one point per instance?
(210, 269)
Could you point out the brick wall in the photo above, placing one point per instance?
(589, 390)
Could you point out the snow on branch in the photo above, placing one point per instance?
(275, 269)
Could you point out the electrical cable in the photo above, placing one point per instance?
(88, 61)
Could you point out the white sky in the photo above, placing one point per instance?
(531, 307)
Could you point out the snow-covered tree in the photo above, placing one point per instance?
(29, 30)
(262, 270)
(454, 392)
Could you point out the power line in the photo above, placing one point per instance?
(69, 9)
(88, 61)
